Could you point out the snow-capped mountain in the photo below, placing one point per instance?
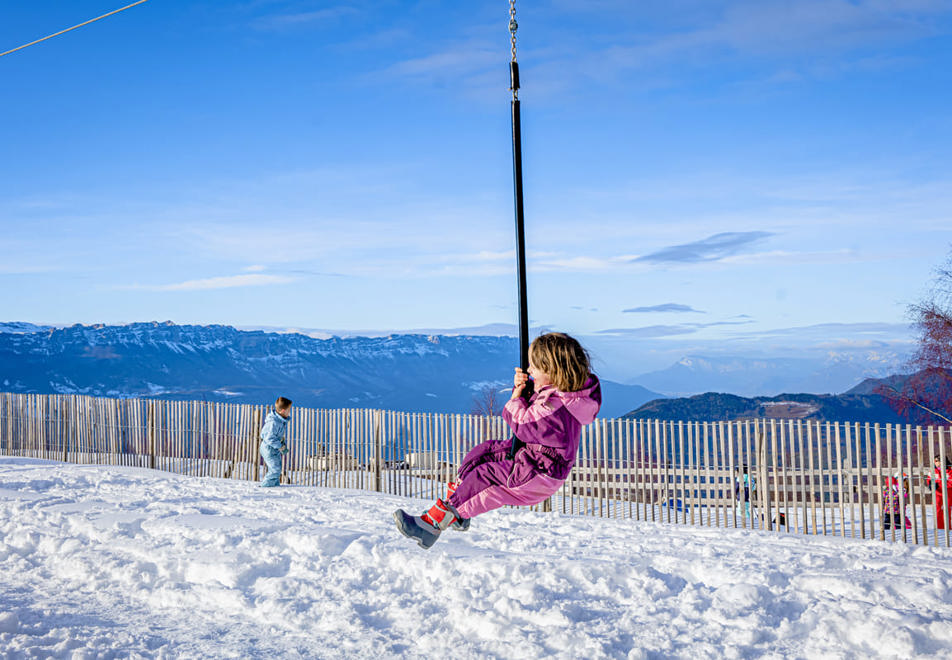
(20, 327)
(422, 373)
(831, 372)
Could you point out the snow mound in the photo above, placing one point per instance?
(109, 561)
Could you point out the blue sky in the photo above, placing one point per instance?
(696, 170)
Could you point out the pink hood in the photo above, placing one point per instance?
(584, 404)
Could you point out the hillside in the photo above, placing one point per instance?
(423, 373)
(751, 377)
(715, 407)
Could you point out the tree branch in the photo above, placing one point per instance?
(916, 403)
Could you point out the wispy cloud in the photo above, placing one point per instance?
(470, 68)
(293, 19)
(823, 25)
(462, 59)
(582, 263)
(483, 256)
(650, 331)
(314, 273)
(813, 27)
(828, 330)
(716, 323)
(824, 335)
(777, 257)
(225, 282)
(788, 42)
(712, 248)
(666, 307)
(26, 269)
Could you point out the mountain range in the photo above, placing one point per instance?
(409, 372)
(420, 373)
(752, 377)
(861, 403)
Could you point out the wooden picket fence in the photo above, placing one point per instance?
(808, 477)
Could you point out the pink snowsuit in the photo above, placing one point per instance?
(892, 511)
(550, 425)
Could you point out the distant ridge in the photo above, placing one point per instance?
(715, 407)
(418, 373)
(752, 377)
(21, 327)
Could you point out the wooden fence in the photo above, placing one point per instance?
(806, 477)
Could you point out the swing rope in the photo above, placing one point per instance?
(517, 190)
(92, 20)
(517, 444)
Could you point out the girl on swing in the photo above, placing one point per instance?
(531, 466)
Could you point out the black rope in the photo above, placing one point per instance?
(517, 444)
(517, 194)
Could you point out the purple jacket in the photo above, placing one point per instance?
(551, 425)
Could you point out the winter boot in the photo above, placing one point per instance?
(426, 528)
(460, 524)
(414, 527)
(441, 515)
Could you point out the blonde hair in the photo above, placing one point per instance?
(282, 403)
(562, 359)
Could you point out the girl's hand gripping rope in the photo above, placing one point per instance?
(519, 383)
(521, 387)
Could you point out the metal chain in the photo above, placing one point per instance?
(513, 65)
(513, 26)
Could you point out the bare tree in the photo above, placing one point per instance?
(926, 396)
(489, 401)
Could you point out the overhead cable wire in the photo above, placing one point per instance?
(92, 20)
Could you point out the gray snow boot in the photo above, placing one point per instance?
(460, 524)
(414, 527)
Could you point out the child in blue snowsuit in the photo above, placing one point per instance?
(273, 440)
(743, 489)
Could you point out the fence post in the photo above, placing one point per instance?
(6, 411)
(255, 450)
(150, 423)
(378, 450)
(761, 449)
(66, 428)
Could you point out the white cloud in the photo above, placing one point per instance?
(303, 18)
(225, 282)
(483, 256)
(25, 269)
(461, 60)
(798, 40)
(814, 27)
(579, 263)
(776, 257)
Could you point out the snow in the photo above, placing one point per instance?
(100, 561)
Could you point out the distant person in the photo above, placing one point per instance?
(743, 492)
(895, 503)
(532, 466)
(941, 499)
(274, 440)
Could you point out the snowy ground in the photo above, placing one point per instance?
(123, 562)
